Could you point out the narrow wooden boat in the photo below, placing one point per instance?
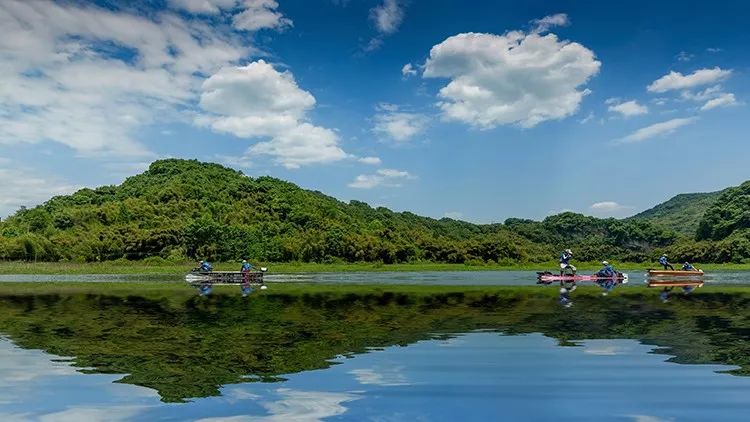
(673, 283)
(675, 273)
(224, 277)
(548, 277)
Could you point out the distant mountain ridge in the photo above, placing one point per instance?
(682, 213)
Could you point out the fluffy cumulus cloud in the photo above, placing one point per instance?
(246, 15)
(382, 177)
(677, 81)
(656, 129)
(257, 101)
(515, 78)
(90, 78)
(627, 108)
(391, 123)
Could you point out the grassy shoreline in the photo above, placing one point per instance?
(140, 267)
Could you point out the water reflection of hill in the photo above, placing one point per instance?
(188, 347)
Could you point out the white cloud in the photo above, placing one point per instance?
(260, 14)
(246, 15)
(408, 70)
(392, 123)
(712, 97)
(656, 129)
(382, 177)
(22, 187)
(629, 108)
(258, 101)
(208, 7)
(514, 78)
(706, 94)
(608, 208)
(369, 160)
(677, 81)
(258, 98)
(544, 24)
(89, 77)
(723, 100)
(387, 16)
(455, 215)
(301, 145)
(714, 50)
(589, 117)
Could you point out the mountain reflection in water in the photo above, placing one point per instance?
(190, 347)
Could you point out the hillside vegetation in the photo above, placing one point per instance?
(181, 209)
(682, 213)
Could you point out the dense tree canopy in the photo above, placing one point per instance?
(181, 209)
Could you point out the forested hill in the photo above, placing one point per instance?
(181, 209)
(682, 213)
(729, 216)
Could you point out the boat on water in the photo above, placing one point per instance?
(548, 277)
(675, 273)
(673, 283)
(196, 277)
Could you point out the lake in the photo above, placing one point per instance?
(365, 354)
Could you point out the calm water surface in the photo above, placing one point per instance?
(411, 277)
(474, 376)
(345, 354)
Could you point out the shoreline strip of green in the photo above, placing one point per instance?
(139, 267)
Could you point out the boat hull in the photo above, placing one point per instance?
(224, 277)
(675, 273)
(673, 283)
(550, 278)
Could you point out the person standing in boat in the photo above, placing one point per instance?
(246, 266)
(688, 267)
(205, 267)
(665, 263)
(565, 264)
(245, 270)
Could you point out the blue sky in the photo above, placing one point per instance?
(479, 111)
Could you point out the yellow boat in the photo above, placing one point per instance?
(675, 273)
